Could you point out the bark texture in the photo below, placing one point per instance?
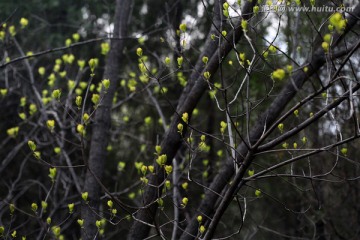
(288, 92)
(188, 100)
(211, 205)
(102, 122)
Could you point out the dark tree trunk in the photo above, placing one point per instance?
(102, 122)
(187, 102)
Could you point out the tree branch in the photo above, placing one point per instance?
(102, 122)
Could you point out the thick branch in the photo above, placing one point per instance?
(190, 97)
(266, 119)
(102, 122)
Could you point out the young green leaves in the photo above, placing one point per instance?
(105, 48)
(338, 22)
(139, 52)
(161, 159)
(56, 94)
(223, 126)
(278, 74)
(182, 27)
(32, 145)
(52, 174)
(93, 63)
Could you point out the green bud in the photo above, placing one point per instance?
(78, 101)
(106, 83)
(52, 174)
(325, 46)
(296, 113)
(12, 30)
(32, 145)
(110, 204)
(86, 118)
(37, 154)
(205, 59)
(167, 184)
(223, 126)
(41, 71)
(161, 160)
(344, 151)
(71, 207)
(158, 149)
(11, 208)
(207, 75)
(56, 230)
(93, 62)
(95, 98)
(68, 42)
(13, 132)
(242, 57)
(81, 64)
(244, 25)
(34, 207)
(331, 28)
(80, 222)
(185, 117)
(132, 195)
(180, 61)
(180, 128)
(184, 201)
(278, 74)
(202, 229)
(226, 5)
(50, 124)
(144, 180)
(327, 38)
(121, 166)
(281, 127)
(139, 52)
(168, 169)
(76, 37)
(105, 48)
(44, 205)
(256, 9)
(24, 22)
(71, 84)
(98, 223)
(143, 169)
(160, 201)
(85, 196)
(56, 94)
(182, 27)
(80, 129)
(272, 49)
